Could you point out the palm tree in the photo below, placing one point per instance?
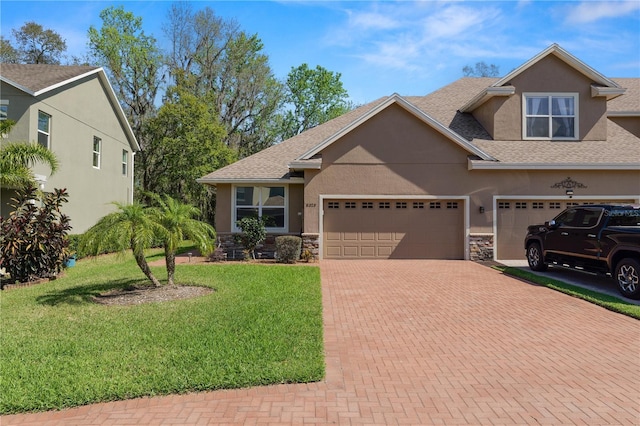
(130, 227)
(178, 223)
(17, 158)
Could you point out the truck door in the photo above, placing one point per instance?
(576, 233)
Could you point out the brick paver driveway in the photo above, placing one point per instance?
(429, 343)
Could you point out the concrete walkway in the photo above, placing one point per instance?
(428, 342)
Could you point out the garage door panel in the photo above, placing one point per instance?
(393, 229)
(350, 251)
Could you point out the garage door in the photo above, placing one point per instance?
(393, 229)
(514, 216)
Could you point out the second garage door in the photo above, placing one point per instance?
(514, 216)
(393, 229)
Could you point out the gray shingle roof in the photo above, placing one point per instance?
(442, 105)
(36, 77)
(622, 146)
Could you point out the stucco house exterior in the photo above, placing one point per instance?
(456, 174)
(73, 111)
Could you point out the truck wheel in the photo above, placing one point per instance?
(628, 278)
(535, 258)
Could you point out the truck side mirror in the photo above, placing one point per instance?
(551, 224)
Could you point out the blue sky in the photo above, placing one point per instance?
(385, 47)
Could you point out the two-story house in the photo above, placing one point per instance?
(74, 112)
(456, 174)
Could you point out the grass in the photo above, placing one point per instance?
(609, 302)
(262, 325)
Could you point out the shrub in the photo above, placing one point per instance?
(218, 255)
(288, 248)
(253, 233)
(33, 240)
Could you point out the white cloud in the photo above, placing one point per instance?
(588, 12)
(412, 36)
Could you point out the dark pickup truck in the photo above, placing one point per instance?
(597, 238)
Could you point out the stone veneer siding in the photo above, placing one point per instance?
(481, 247)
(265, 250)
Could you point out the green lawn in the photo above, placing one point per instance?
(609, 302)
(262, 325)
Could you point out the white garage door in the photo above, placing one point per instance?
(514, 216)
(393, 229)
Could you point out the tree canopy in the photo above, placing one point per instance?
(481, 69)
(36, 45)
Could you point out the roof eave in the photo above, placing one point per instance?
(607, 92)
(305, 165)
(68, 81)
(623, 113)
(487, 94)
(214, 181)
(497, 165)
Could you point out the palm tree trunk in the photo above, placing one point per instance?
(170, 257)
(144, 266)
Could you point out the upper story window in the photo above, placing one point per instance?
(125, 162)
(97, 148)
(44, 129)
(266, 202)
(551, 116)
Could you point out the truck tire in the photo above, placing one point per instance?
(535, 257)
(627, 277)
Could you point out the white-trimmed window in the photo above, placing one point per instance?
(125, 162)
(44, 129)
(4, 109)
(97, 148)
(550, 116)
(266, 202)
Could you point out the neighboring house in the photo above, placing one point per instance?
(73, 111)
(456, 174)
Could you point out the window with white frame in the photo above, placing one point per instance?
(266, 202)
(551, 116)
(97, 148)
(44, 129)
(4, 109)
(125, 162)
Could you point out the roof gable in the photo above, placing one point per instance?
(565, 56)
(602, 86)
(40, 79)
(396, 99)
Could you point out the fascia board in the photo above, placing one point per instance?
(566, 57)
(487, 94)
(608, 92)
(249, 180)
(133, 141)
(303, 165)
(399, 100)
(623, 114)
(495, 165)
(65, 82)
(17, 86)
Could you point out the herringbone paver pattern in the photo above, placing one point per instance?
(428, 342)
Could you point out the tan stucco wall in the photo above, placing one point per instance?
(502, 116)
(223, 207)
(296, 205)
(78, 113)
(419, 161)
